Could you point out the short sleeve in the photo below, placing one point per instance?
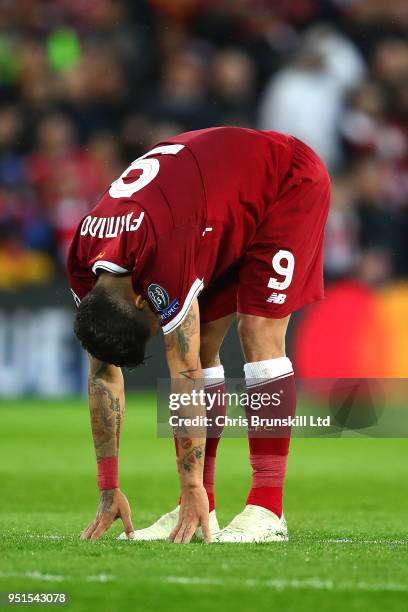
(110, 244)
(170, 282)
(80, 279)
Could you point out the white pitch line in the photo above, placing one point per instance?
(100, 578)
(56, 578)
(351, 541)
(33, 576)
(286, 584)
(276, 584)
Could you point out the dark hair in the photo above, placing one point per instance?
(111, 328)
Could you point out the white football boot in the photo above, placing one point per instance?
(162, 528)
(254, 525)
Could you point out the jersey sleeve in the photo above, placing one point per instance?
(80, 279)
(110, 244)
(171, 282)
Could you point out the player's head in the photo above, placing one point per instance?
(114, 324)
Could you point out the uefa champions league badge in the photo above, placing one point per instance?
(161, 301)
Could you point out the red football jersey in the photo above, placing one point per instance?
(182, 215)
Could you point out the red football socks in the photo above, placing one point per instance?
(268, 455)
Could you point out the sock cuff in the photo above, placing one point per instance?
(213, 375)
(268, 369)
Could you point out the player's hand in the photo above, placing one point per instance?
(113, 504)
(194, 512)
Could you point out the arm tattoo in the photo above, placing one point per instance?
(106, 501)
(181, 339)
(99, 370)
(189, 455)
(106, 417)
(182, 335)
(189, 373)
(186, 331)
(183, 357)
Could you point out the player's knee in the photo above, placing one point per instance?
(211, 337)
(262, 338)
(209, 358)
(209, 351)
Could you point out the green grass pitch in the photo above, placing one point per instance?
(346, 504)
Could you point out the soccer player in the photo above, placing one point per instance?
(207, 226)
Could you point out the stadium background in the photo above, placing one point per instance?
(86, 86)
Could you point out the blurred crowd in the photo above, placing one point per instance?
(86, 86)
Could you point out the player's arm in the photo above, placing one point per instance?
(106, 407)
(183, 358)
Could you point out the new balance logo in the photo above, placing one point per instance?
(276, 298)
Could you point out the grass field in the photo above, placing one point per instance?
(346, 505)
